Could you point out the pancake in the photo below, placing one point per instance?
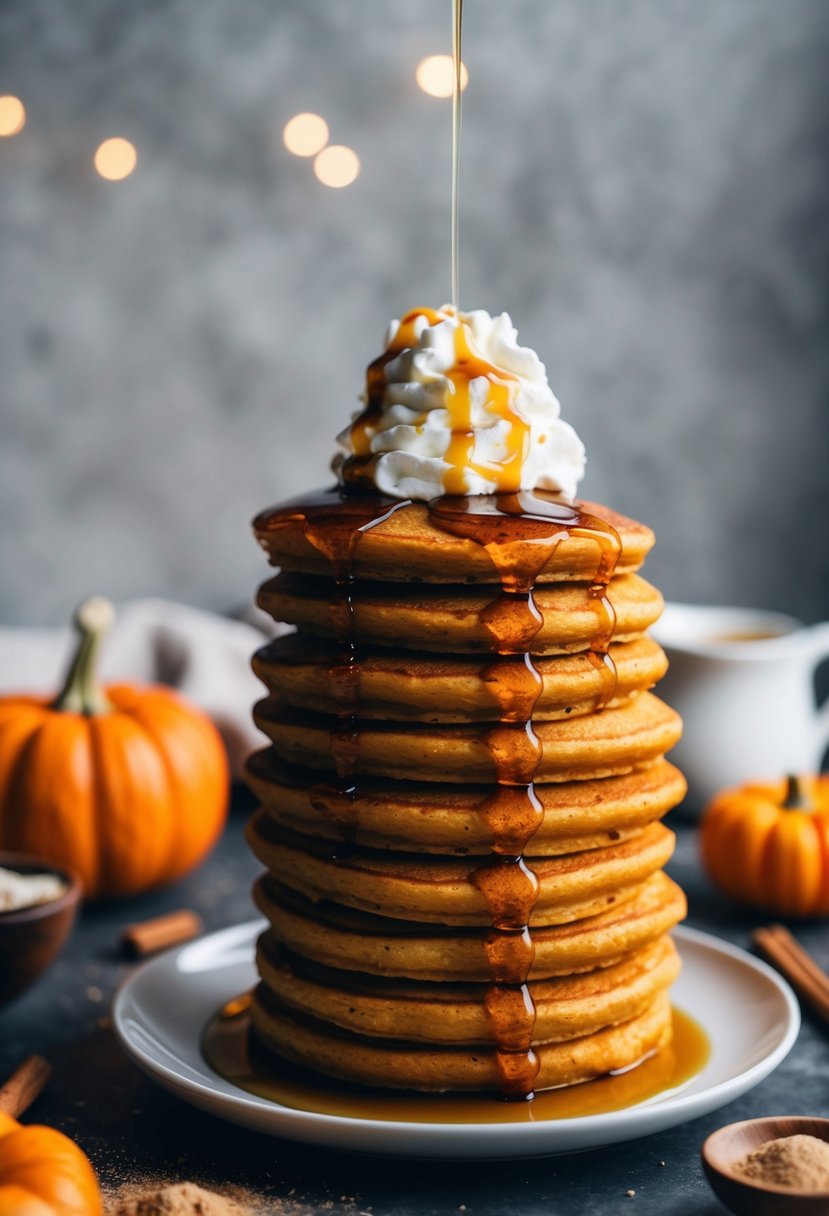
(444, 890)
(366, 1061)
(462, 839)
(595, 745)
(407, 547)
(425, 1012)
(448, 619)
(441, 688)
(350, 940)
(453, 819)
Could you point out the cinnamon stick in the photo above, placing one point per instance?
(162, 931)
(25, 1084)
(799, 953)
(809, 980)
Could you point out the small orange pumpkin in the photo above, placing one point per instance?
(44, 1173)
(126, 785)
(767, 845)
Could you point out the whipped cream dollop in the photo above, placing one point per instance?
(456, 406)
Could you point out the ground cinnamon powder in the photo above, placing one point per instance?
(801, 1162)
(181, 1199)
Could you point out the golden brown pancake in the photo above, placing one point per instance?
(408, 547)
(350, 940)
(447, 688)
(444, 891)
(594, 745)
(367, 1061)
(452, 819)
(448, 619)
(566, 1008)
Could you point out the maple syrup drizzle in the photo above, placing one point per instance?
(520, 533)
(333, 522)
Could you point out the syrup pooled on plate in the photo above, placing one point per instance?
(235, 1055)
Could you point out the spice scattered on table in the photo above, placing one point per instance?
(181, 1199)
(801, 1162)
(25, 890)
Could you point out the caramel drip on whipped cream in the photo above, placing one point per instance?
(355, 468)
(470, 365)
(501, 392)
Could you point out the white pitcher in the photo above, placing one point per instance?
(743, 681)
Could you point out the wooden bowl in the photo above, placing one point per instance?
(748, 1196)
(31, 938)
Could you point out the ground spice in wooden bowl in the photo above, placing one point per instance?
(801, 1162)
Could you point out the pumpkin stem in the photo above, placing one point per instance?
(796, 798)
(81, 692)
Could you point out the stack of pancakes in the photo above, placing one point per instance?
(445, 912)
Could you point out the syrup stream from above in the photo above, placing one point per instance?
(457, 25)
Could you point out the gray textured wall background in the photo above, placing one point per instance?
(645, 188)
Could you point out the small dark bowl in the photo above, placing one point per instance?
(31, 938)
(748, 1196)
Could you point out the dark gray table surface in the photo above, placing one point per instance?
(131, 1128)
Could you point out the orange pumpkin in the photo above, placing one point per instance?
(126, 785)
(767, 845)
(44, 1173)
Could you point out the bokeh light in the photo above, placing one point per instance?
(337, 166)
(12, 115)
(115, 159)
(436, 75)
(305, 134)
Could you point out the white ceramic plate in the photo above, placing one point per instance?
(748, 1011)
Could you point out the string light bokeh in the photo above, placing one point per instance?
(12, 116)
(337, 166)
(435, 75)
(305, 134)
(115, 159)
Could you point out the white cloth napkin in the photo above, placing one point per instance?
(205, 657)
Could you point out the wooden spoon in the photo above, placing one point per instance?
(727, 1147)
